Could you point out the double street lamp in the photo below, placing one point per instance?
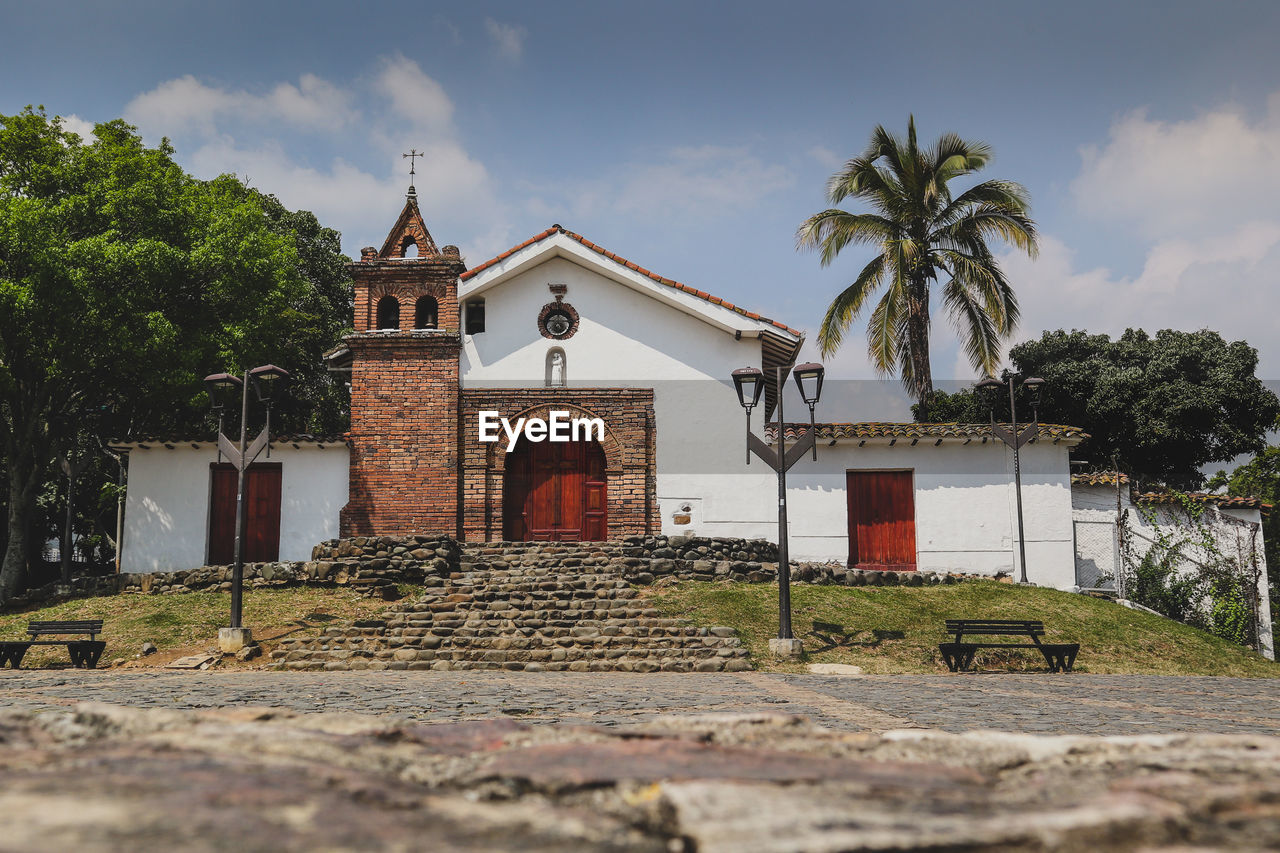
(267, 382)
(1015, 438)
(749, 383)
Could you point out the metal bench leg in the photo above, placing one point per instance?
(1061, 657)
(86, 653)
(13, 653)
(957, 655)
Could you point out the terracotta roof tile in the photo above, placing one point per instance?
(1097, 478)
(876, 429)
(700, 294)
(1229, 501)
(167, 440)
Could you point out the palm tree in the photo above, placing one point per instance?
(923, 234)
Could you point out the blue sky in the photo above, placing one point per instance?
(693, 138)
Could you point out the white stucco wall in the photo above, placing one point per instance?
(627, 338)
(166, 520)
(965, 506)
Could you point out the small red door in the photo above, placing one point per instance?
(262, 513)
(555, 491)
(882, 520)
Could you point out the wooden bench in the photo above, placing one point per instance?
(84, 653)
(959, 655)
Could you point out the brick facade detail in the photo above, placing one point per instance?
(417, 464)
(403, 438)
(629, 447)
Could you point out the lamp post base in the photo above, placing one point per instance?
(232, 640)
(790, 648)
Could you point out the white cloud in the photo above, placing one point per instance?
(1183, 178)
(1221, 283)
(1196, 199)
(74, 124)
(508, 39)
(825, 157)
(414, 96)
(256, 137)
(185, 104)
(686, 182)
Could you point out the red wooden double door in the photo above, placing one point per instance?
(556, 492)
(262, 513)
(882, 520)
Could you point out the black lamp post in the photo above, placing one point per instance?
(267, 381)
(749, 383)
(1015, 438)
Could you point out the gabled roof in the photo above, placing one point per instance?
(935, 432)
(683, 288)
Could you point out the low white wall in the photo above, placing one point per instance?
(965, 508)
(166, 522)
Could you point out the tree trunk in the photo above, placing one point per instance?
(918, 333)
(23, 481)
(27, 446)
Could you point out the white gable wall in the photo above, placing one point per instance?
(167, 503)
(627, 338)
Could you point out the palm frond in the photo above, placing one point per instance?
(883, 332)
(1009, 196)
(987, 221)
(833, 230)
(975, 325)
(984, 281)
(848, 304)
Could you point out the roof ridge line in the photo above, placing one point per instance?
(631, 265)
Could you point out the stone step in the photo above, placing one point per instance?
(522, 608)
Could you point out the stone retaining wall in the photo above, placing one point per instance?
(376, 564)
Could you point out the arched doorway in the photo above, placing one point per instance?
(555, 491)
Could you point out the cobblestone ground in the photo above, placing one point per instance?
(1040, 704)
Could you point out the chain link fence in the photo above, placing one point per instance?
(1098, 555)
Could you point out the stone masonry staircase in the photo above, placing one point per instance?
(525, 606)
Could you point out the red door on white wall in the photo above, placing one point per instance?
(882, 520)
(262, 513)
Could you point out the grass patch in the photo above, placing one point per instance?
(897, 629)
(187, 623)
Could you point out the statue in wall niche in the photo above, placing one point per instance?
(556, 368)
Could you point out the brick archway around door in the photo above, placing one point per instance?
(629, 446)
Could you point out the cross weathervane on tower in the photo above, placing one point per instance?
(413, 154)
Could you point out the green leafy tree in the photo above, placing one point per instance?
(924, 234)
(1163, 406)
(122, 282)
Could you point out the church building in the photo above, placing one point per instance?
(464, 381)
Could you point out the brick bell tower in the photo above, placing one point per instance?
(404, 385)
